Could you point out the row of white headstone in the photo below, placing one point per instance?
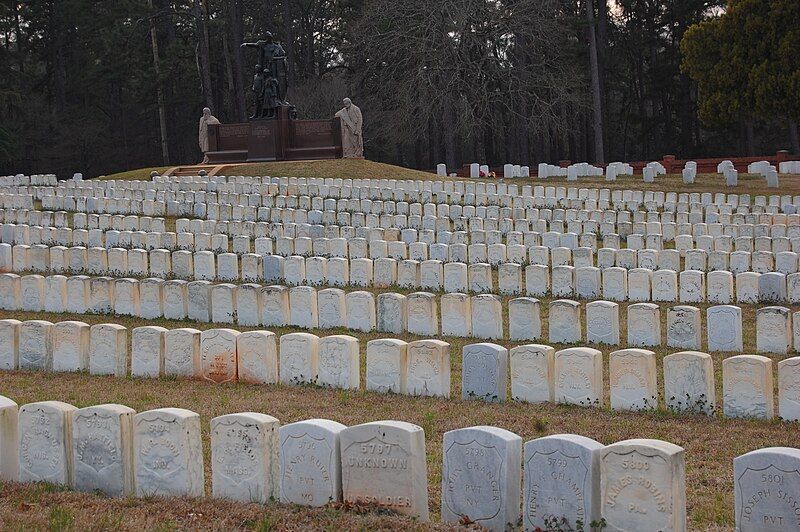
(568, 480)
(250, 209)
(460, 315)
(616, 283)
(538, 373)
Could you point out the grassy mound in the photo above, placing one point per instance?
(344, 168)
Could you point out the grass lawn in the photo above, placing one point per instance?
(344, 168)
(710, 443)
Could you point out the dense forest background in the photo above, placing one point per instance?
(98, 86)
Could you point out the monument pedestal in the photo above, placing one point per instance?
(274, 139)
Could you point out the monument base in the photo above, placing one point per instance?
(274, 139)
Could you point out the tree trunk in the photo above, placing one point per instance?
(794, 137)
(448, 131)
(162, 111)
(750, 137)
(597, 101)
(236, 27)
(288, 45)
(203, 54)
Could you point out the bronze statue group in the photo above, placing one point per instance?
(269, 81)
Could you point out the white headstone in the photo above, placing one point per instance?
(481, 471)
(428, 370)
(766, 484)
(218, 362)
(643, 486)
(9, 439)
(387, 361)
(747, 389)
(102, 448)
(182, 352)
(257, 357)
(310, 462)
(562, 481)
(45, 442)
(578, 375)
(383, 463)
(244, 457)
(339, 363)
(168, 453)
(484, 372)
(299, 358)
(632, 379)
(689, 382)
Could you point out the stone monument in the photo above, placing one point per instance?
(352, 141)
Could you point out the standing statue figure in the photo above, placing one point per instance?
(270, 99)
(206, 120)
(352, 142)
(258, 92)
(272, 56)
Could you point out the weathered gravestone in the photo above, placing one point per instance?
(168, 453)
(182, 352)
(578, 376)
(428, 371)
(339, 363)
(244, 457)
(487, 316)
(303, 307)
(562, 482)
(766, 488)
(198, 294)
(643, 486)
(423, 314)
(102, 449)
(218, 361)
(9, 439)
(361, 311)
(632, 377)
(310, 462)
(747, 387)
(147, 351)
(602, 322)
(644, 324)
(383, 463)
(108, 350)
(789, 389)
(724, 328)
(532, 373)
(481, 477)
(773, 330)
(299, 358)
(456, 315)
(524, 319)
(257, 357)
(484, 372)
(45, 442)
(275, 306)
(392, 313)
(36, 345)
(387, 361)
(332, 308)
(689, 382)
(683, 327)
(564, 321)
(9, 344)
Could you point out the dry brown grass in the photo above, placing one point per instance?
(343, 168)
(710, 443)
